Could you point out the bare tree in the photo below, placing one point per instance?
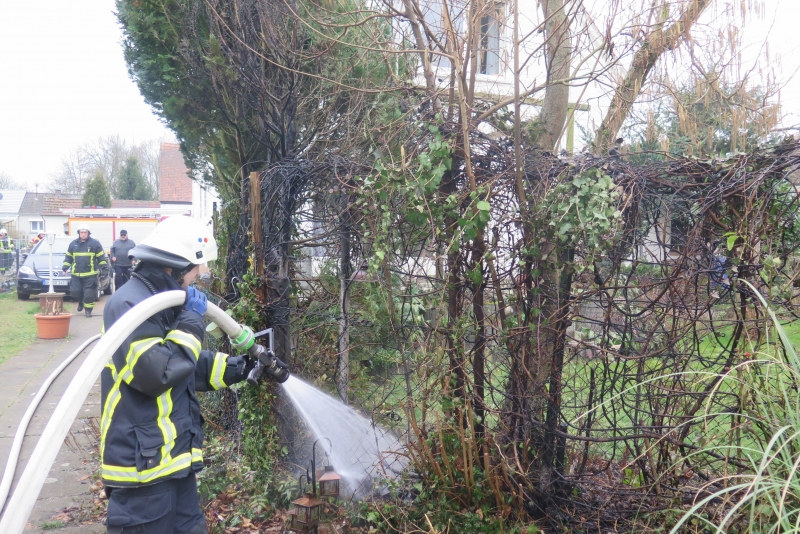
(107, 155)
(7, 182)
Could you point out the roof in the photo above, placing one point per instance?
(54, 205)
(32, 205)
(122, 203)
(12, 201)
(174, 183)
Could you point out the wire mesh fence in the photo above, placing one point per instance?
(564, 368)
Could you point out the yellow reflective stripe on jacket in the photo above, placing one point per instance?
(168, 430)
(130, 474)
(114, 395)
(185, 339)
(218, 371)
(110, 366)
(197, 455)
(91, 256)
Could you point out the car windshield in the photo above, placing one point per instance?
(59, 247)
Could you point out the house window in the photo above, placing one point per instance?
(37, 227)
(489, 51)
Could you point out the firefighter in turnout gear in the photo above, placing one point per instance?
(151, 429)
(6, 251)
(84, 259)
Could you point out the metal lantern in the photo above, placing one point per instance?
(363, 274)
(305, 515)
(329, 483)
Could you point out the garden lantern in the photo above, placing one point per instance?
(329, 483)
(305, 516)
(362, 274)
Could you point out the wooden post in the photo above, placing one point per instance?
(255, 219)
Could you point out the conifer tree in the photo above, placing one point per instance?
(132, 185)
(97, 193)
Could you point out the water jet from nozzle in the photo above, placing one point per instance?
(362, 451)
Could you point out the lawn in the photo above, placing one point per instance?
(17, 324)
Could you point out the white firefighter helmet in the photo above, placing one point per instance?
(177, 242)
(3, 232)
(83, 226)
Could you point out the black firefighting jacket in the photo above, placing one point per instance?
(151, 427)
(83, 258)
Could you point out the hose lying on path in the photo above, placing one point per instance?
(38, 466)
(16, 445)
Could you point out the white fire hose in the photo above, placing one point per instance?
(40, 462)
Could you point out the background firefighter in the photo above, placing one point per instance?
(6, 252)
(84, 259)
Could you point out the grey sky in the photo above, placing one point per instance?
(63, 80)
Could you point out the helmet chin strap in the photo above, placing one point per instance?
(179, 274)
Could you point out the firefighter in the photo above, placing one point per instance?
(85, 259)
(6, 251)
(120, 260)
(150, 432)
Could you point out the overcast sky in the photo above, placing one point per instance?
(63, 81)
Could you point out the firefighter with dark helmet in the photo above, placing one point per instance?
(151, 432)
(84, 260)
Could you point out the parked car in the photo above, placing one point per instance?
(34, 274)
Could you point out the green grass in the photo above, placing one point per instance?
(17, 324)
(765, 498)
(52, 525)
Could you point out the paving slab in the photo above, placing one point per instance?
(71, 488)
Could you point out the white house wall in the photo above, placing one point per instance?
(590, 56)
(203, 199)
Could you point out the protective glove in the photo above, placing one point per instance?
(196, 301)
(243, 365)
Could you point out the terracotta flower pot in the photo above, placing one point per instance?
(52, 326)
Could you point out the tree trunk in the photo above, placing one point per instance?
(656, 43)
(559, 55)
(346, 270)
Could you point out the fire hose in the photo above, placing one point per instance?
(30, 484)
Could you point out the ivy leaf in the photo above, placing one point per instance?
(483, 205)
(732, 240)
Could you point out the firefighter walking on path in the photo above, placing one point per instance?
(151, 434)
(6, 251)
(84, 259)
(120, 260)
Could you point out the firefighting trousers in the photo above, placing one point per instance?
(84, 290)
(6, 261)
(169, 507)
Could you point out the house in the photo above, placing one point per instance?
(10, 204)
(176, 189)
(40, 212)
(494, 75)
(51, 212)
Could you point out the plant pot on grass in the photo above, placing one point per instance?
(53, 323)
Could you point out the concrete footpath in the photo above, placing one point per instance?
(71, 492)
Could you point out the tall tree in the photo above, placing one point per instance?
(131, 184)
(665, 36)
(107, 155)
(97, 193)
(7, 182)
